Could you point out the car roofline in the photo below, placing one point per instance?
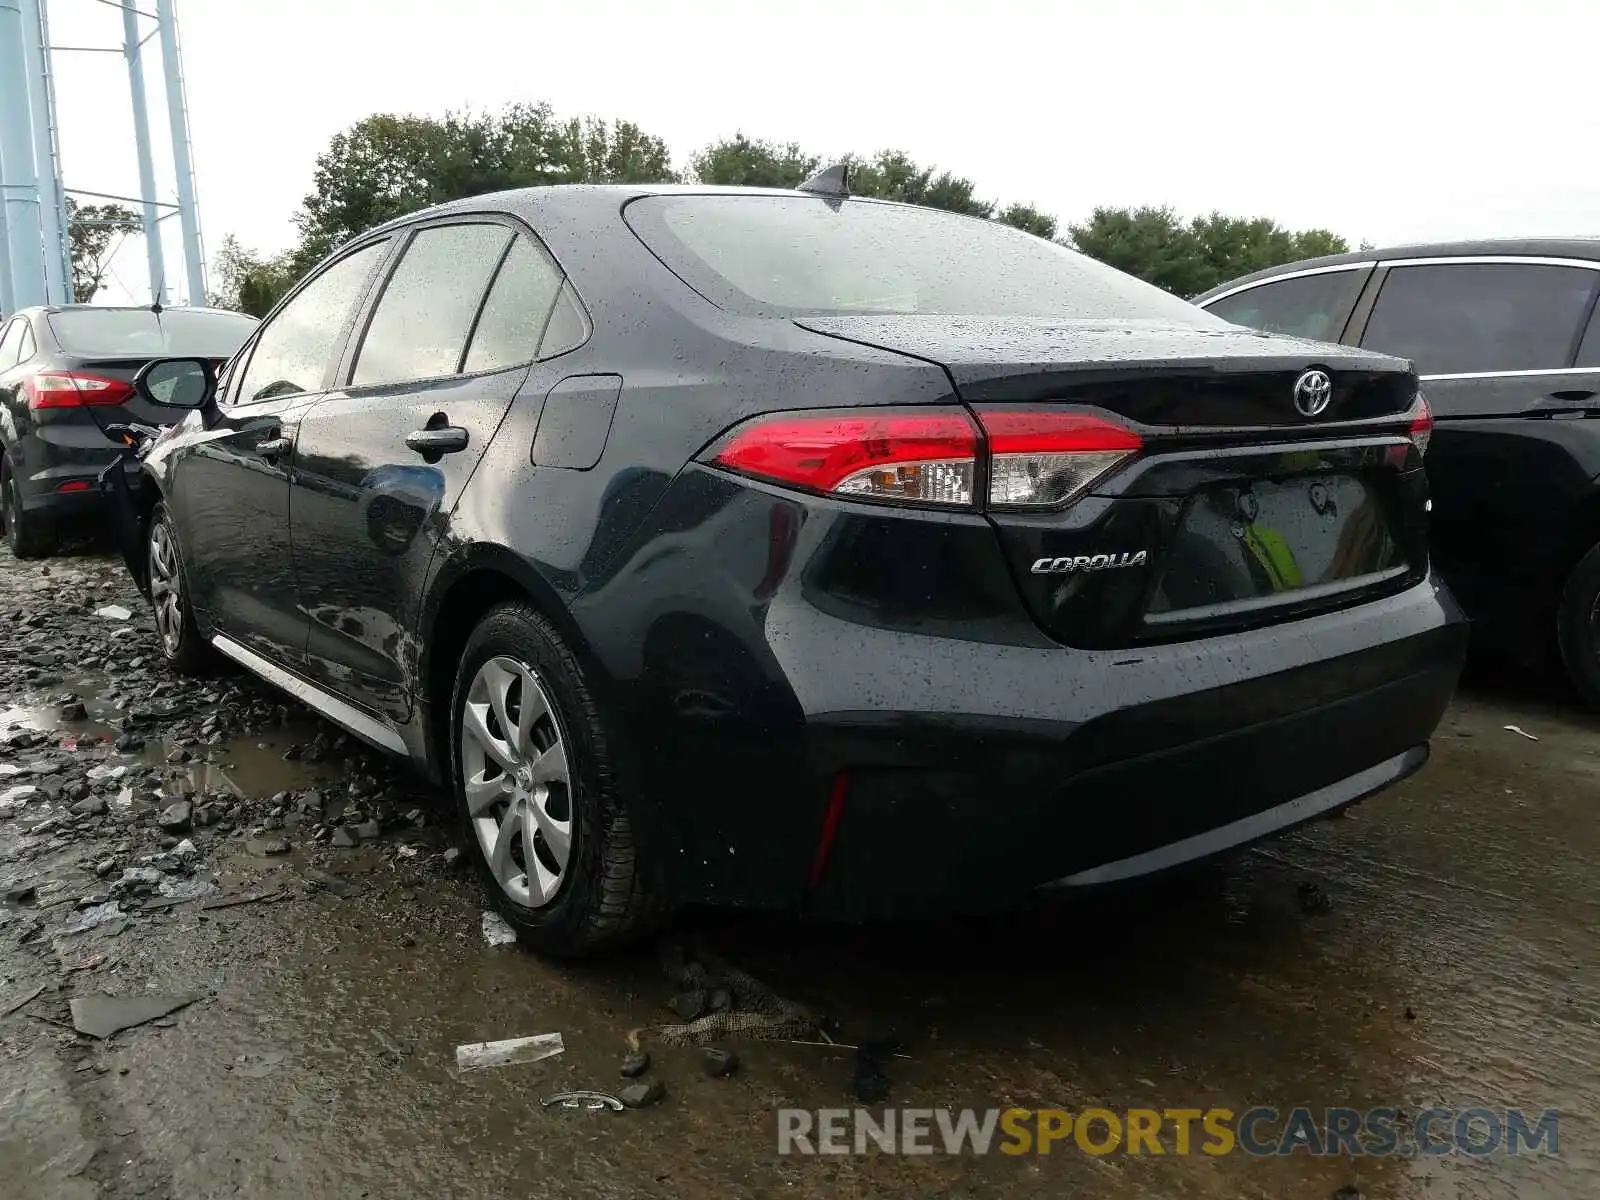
(1541, 247)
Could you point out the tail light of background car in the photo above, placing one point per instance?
(1031, 458)
(1421, 431)
(69, 389)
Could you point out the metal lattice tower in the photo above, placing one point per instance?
(35, 247)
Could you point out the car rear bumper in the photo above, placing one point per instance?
(58, 470)
(1097, 768)
(934, 775)
(1128, 793)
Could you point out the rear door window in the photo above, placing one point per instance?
(515, 314)
(1308, 306)
(296, 349)
(1589, 348)
(420, 327)
(11, 343)
(1468, 318)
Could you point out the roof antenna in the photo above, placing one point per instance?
(830, 181)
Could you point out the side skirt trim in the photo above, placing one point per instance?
(369, 729)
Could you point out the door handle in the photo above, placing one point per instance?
(434, 442)
(273, 447)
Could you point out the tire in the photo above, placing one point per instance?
(547, 767)
(177, 633)
(1578, 626)
(27, 536)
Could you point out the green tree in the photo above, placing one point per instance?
(1188, 258)
(893, 175)
(1028, 219)
(386, 165)
(747, 162)
(248, 281)
(95, 232)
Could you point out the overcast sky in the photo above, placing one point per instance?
(1389, 122)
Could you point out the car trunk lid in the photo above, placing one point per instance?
(1237, 509)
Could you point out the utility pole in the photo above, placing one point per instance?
(46, 157)
(19, 179)
(141, 142)
(178, 116)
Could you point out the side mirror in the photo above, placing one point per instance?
(177, 382)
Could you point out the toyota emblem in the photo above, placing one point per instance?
(1312, 391)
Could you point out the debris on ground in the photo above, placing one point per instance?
(1312, 898)
(495, 930)
(114, 612)
(593, 1101)
(634, 1064)
(22, 1001)
(870, 1082)
(718, 1063)
(248, 898)
(755, 1010)
(102, 1016)
(336, 885)
(643, 1095)
(478, 1056)
(1519, 730)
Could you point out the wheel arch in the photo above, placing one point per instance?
(472, 583)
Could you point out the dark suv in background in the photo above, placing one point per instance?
(65, 374)
(1506, 339)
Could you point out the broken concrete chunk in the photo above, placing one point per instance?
(495, 930)
(175, 818)
(719, 1063)
(102, 1016)
(368, 830)
(643, 1095)
(635, 1064)
(688, 1005)
(267, 846)
(345, 837)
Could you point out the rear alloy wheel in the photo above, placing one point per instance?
(176, 632)
(28, 536)
(516, 781)
(1578, 626)
(537, 787)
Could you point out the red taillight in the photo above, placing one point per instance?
(1421, 431)
(927, 456)
(75, 485)
(69, 389)
(1036, 458)
(1041, 459)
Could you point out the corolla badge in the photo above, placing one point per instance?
(1069, 563)
(1312, 391)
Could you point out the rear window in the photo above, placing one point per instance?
(141, 333)
(791, 256)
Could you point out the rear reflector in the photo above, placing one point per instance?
(74, 485)
(1043, 459)
(925, 456)
(70, 389)
(1421, 431)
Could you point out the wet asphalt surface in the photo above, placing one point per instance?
(1439, 946)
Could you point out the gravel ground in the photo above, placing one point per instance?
(292, 918)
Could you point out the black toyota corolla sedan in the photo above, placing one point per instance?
(794, 550)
